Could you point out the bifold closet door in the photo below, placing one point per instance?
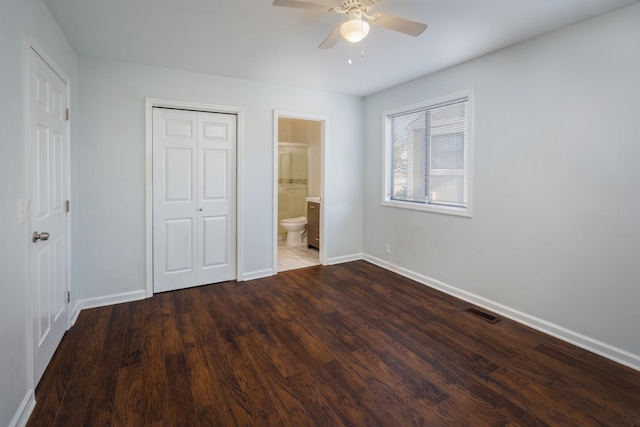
(194, 203)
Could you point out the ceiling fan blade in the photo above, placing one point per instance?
(331, 39)
(302, 4)
(402, 25)
(328, 3)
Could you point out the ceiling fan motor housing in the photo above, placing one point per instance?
(348, 6)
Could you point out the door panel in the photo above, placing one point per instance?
(214, 231)
(57, 185)
(59, 266)
(47, 214)
(179, 128)
(41, 172)
(178, 245)
(214, 166)
(194, 198)
(43, 278)
(178, 173)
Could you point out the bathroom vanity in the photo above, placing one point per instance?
(313, 223)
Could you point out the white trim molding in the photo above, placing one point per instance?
(75, 313)
(323, 167)
(344, 258)
(252, 275)
(595, 346)
(148, 147)
(24, 411)
(109, 300)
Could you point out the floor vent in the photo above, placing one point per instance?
(484, 316)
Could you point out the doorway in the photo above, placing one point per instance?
(192, 194)
(299, 184)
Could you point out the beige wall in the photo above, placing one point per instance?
(305, 132)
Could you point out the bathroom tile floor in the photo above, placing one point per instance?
(294, 257)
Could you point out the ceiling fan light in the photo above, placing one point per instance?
(354, 30)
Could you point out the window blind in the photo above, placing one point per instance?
(430, 154)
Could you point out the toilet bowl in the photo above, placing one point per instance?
(295, 227)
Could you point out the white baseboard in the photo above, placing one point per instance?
(256, 274)
(75, 312)
(345, 258)
(109, 300)
(23, 413)
(595, 346)
(267, 272)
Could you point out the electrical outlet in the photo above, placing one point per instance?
(387, 248)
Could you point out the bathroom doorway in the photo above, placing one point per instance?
(298, 195)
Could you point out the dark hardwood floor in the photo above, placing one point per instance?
(345, 345)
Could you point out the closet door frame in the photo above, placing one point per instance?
(150, 103)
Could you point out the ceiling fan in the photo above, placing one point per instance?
(356, 28)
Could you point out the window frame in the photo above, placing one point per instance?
(387, 157)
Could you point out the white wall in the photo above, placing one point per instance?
(16, 18)
(111, 166)
(554, 236)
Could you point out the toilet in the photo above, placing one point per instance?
(295, 227)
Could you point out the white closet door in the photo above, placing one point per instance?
(217, 197)
(193, 198)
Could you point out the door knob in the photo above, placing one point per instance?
(40, 236)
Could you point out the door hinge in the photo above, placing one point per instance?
(66, 206)
(68, 297)
(68, 115)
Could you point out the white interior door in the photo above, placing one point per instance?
(47, 210)
(194, 170)
(216, 257)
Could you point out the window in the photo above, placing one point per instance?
(427, 156)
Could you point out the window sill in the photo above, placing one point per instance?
(446, 210)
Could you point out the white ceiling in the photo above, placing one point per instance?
(254, 40)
